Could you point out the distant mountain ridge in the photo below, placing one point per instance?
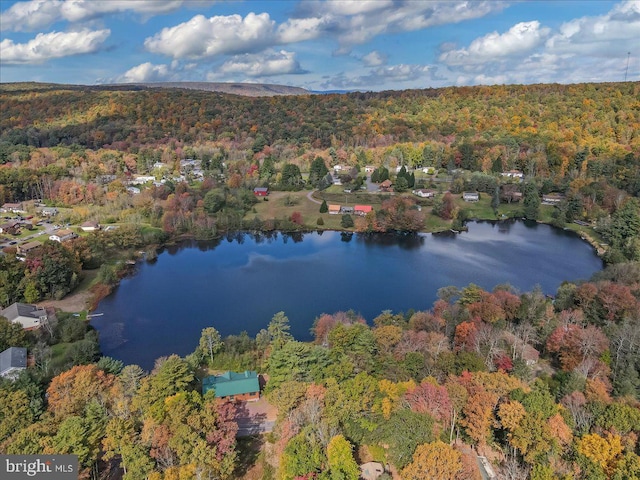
(246, 89)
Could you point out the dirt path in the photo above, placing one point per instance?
(76, 302)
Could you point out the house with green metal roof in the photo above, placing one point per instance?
(234, 386)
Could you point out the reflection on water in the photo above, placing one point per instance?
(238, 283)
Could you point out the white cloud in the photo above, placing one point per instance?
(301, 29)
(607, 35)
(78, 10)
(29, 16)
(203, 37)
(35, 14)
(374, 59)
(354, 22)
(46, 46)
(144, 73)
(394, 74)
(354, 7)
(263, 65)
(521, 38)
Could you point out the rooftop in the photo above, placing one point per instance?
(231, 383)
(13, 357)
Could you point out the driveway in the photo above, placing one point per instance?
(255, 417)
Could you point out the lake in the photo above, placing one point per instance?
(240, 282)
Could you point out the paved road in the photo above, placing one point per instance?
(310, 197)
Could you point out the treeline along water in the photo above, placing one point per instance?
(240, 282)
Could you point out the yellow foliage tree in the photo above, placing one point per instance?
(434, 460)
(603, 451)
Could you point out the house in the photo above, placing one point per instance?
(105, 179)
(386, 186)
(90, 226)
(142, 179)
(424, 193)
(552, 198)
(12, 361)
(12, 228)
(362, 209)
(369, 169)
(25, 248)
(29, 316)
(49, 211)
(133, 190)
(513, 174)
(346, 210)
(471, 196)
(371, 470)
(261, 191)
(62, 235)
(13, 207)
(234, 386)
(334, 209)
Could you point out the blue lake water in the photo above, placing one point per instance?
(239, 283)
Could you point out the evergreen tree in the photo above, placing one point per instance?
(531, 201)
(495, 200)
(347, 221)
(324, 208)
(317, 171)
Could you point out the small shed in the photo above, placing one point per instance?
(234, 386)
(261, 191)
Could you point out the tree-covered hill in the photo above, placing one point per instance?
(603, 118)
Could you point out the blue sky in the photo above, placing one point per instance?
(320, 44)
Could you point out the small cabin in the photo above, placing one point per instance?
(233, 386)
(261, 191)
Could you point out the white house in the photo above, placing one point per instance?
(62, 236)
(12, 361)
(552, 198)
(90, 226)
(29, 316)
(471, 196)
(513, 174)
(142, 179)
(49, 211)
(424, 193)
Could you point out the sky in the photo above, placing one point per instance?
(320, 45)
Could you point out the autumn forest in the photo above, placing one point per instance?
(543, 386)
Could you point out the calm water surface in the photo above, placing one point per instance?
(239, 284)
